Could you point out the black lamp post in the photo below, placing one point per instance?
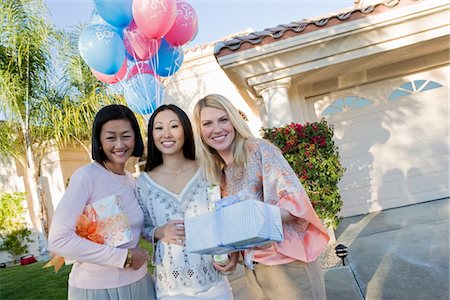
(341, 251)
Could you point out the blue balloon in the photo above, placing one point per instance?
(102, 49)
(168, 59)
(97, 19)
(143, 93)
(116, 12)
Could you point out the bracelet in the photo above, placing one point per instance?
(128, 260)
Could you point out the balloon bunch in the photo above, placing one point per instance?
(135, 43)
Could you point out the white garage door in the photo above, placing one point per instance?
(393, 138)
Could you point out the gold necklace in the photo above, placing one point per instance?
(122, 180)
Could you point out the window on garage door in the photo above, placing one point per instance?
(342, 104)
(414, 87)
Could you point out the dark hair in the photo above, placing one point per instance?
(154, 156)
(114, 112)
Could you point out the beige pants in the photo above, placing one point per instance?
(296, 281)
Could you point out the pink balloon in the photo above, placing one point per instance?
(141, 68)
(154, 18)
(114, 78)
(137, 45)
(185, 26)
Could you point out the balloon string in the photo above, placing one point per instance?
(127, 91)
(152, 46)
(139, 66)
(154, 63)
(175, 63)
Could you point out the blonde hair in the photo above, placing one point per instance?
(208, 158)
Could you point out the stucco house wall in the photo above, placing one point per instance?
(201, 75)
(10, 180)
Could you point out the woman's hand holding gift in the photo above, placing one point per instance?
(138, 257)
(172, 233)
(230, 266)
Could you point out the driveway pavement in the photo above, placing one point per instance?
(401, 253)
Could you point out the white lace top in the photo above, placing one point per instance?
(176, 271)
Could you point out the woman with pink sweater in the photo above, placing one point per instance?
(103, 271)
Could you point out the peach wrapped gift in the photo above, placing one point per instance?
(113, 224)
(103, 221)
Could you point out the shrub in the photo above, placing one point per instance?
(11, 212)
(16, 243)
(14, 234)
(312, 154)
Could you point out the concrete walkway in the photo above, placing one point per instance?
(400, 253)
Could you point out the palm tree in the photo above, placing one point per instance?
(24, 64)
(43, 105)
(80, 95)
(72, 107)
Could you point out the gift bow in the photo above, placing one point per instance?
(85, 228)
(227, 201)
(233, 199)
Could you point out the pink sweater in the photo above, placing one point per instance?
(97, 266)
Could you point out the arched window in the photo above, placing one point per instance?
(414, 87)
(342, 104)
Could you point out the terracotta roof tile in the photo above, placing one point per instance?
(273, 34)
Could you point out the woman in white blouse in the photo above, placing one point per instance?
(172, 189)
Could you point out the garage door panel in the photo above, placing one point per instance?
(413, 183)
(429, 174)
(389, 157)
(356, 195)
(420, 125)
(356, 148)
(423, 184)
(356, 200)
(389, 199)
(390, 192)
(355, 181)
(358, 135)
(360, 169)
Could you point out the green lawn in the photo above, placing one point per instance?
(33, 282)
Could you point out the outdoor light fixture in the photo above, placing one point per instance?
(341, 251)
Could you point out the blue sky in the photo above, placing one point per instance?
(217, 18)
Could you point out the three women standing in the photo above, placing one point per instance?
(173, 188)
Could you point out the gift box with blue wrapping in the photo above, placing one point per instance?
(235, 227)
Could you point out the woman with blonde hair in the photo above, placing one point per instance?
(230, 155)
